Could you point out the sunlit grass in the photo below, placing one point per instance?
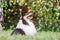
(5, 35)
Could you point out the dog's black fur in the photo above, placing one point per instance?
(18, 31)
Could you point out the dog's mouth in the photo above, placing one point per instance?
(30, 17)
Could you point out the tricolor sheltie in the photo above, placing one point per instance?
(25, 26)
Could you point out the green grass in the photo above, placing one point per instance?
(5, 35)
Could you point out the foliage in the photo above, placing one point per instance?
(47, 14)
(48, 18)
(1, 3)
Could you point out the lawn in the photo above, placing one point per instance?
(5, 35)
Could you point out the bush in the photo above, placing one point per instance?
(47, 14)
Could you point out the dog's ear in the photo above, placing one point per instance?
(24, 9)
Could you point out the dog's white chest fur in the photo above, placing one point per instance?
(28, 29)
